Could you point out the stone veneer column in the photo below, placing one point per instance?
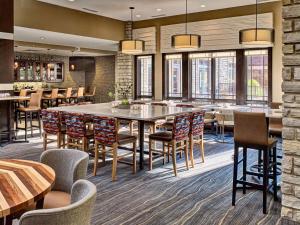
(291, 121)
(125, 64)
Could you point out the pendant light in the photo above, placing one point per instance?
(186, 42)
(257, 36)
(131, 46)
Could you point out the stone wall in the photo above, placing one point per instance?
(291, 132)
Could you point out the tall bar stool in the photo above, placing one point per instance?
(78, 134)
(65, 98)
(52, 125)
(90, 96)
(196, 135)
(251, 131)
(23, 93)
(52, 97)
(106, 136)
(33, 108)
(177, 140)
(79, 95)
(224, 120)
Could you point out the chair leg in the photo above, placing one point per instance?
(25, 126)
(235, 173)
(134, 157)
(164, 153)
(174, 157)
(115, 161)
(265, 179)
(103, 153)
(275, 173)
(96, 158)
(150, 154)
(64, 140)
(131, 128)
(191, 147)
(202, 147)
(31, 127)
(68, 142)
(186, 155)
(58, 140)
(39, 122)
(44, 141)
(84, 144)
(168, 152)
(244, 168)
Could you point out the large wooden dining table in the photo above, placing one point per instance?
(22, 183)
(140, 113)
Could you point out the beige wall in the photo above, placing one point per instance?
(274, 7)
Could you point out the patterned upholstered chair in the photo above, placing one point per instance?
(69, 166)
(177, 140)
(196, 134)
(78, 134)
(52, 125)
(107, 137)
(78, 212)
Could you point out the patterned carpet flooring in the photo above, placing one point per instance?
(199, 196)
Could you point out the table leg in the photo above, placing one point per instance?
(141, 142)
(8, 220)
(40, 204)
(2, 221)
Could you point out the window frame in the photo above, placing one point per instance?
(137, 91)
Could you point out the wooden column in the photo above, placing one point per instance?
(241, 80)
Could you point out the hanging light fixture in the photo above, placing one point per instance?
(186, 42)
(257, 36)
(131, 46)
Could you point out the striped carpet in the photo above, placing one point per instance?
(199, 196)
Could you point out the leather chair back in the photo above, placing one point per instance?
(35, 100)
(54, 93)
(69, 93)
(23, 93)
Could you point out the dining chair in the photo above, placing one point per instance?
(34, 108)
(78, 134)
(196, 135)
(77, 212)
(49, 98)
(177, 140)
(65, 98)
(90, 96)
(251, 131)
(18, 103)
(79, 95)
(223, 120)
(69, 166)
(108, 139)
(52, 125)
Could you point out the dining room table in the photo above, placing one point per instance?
(22, 184)
(140, 113)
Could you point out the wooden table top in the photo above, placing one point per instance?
(14, 98)
(22, 183)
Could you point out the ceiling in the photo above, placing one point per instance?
(147, 9)
(75, 42)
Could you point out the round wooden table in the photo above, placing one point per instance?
(22, 183)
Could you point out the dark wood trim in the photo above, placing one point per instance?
(7, 16)
(6, 61)
(270, 76)
(185, 77)
(241, 78)
(137, 88)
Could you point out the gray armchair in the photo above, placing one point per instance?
(69, 166)
(83, 196)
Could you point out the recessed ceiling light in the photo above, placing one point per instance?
(138, 16)
(42, 38)
(203, 6)
(158, 10)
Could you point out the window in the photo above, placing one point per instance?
(225, 75)
(201, 75)
(174, 75)
(144, 76)
(257, 75)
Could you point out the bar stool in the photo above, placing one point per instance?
(90, 96)
(79, 95)
(196, 135)
(65, 98)
(33, 108)
(52, 125)
(251, 131)
(106, 136)
(223, 120)
(78, 134)
(52, 97)
(177, 140)
(23, 93)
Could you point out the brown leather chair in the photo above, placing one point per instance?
(64, 98)
(251, 131)
(50, 98)
(33, 108)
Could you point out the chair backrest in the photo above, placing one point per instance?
(51, 121)
(54, 93)
(105, 130)
(80, 92)
(40, 91)
(35, 100)
(69, 92)
(94, 91)
(159, 103)
(79, 212)
(75, 124)
(23, 93)
(185, 105)
(197, 123)
(69, 166)
(181, 127)
(250, 128)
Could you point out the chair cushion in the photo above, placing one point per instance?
(125, 139)
(209, 121)
(29, 109)
(161, 136)
(56, 199)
